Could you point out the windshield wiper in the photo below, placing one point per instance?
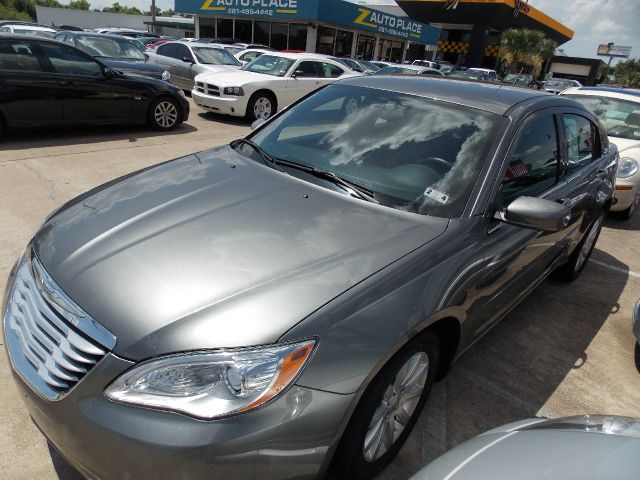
(266, 158)
(360, 191)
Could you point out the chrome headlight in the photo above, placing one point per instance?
(210, 385)
(627, 167)
(236, 91)
(166, 76)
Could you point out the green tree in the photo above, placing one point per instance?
(525, 49)
(627, 73)
(79, 5)
(117, 8)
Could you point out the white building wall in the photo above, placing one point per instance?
(89, 19)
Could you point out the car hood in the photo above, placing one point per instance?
(625, 144)
(215, 250)
(235, 78)
(132, 65)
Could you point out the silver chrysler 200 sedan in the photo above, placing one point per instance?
(282, 305)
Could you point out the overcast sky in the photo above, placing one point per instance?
(594, 21)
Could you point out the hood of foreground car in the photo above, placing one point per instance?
(235, 78)
(133, 66)
(215, 250)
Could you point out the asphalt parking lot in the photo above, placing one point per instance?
(567, 349)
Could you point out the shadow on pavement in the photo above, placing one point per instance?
(617, 223)
(512, 371)
(65, 136)
(225, 119)
(62, 467)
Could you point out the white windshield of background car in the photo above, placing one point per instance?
(620, 118)
(414, 154)
(214, 56)
(110, 48)
(559, 84)
(270, 65)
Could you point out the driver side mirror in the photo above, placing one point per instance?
(537, 214)
(108, 73)
(188, 60)
(298, 73)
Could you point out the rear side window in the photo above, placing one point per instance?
(533, 166)
(18, 56)
(331, 71)
(68, 61)
(580, 137)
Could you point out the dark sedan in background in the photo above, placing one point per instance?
(45, 82)
(120, 53)
(284, 303)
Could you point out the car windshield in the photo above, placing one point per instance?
(37, 33)
(270, 65)
(368, 66)
(518, 78)
(412, 153)
(115, 48)
(561, 84)
(233, 50)
(214, 56)
(620, 118)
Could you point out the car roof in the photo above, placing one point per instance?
(22, 26)
(417, 68)
(632, 94)
(495, 98)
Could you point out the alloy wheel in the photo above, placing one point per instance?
(262, 108)
(166, 114)
(588, 244)
(399, 402)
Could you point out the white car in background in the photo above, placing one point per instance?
(557, 85)
(250, 54)
(619, 112)
(35, 30)
(493, 76)
(268, 84)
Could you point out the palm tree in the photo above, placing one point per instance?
(524, 47)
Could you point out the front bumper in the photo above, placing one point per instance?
(288, 438)
(625, 198)
(236, 106)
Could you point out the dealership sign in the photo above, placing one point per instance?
(338, 12)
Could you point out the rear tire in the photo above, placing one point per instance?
(164, 114)
(261, 105)
(580, 256)
(388, 410)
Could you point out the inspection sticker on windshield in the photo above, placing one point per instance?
(434, 194)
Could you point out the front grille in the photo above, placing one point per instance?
(52, 342)
(208, 89)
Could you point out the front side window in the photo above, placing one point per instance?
(182, 52)
(309, 70)
(533, 165)
(68, 61)
(580, 141)
(270, 65)
(167, 50)
(18, 56)
(214, 56)
(412, 153)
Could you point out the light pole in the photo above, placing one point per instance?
(153, 15)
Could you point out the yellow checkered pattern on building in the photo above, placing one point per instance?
(492, 50)
(446, 46)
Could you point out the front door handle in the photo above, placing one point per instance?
(601, 174)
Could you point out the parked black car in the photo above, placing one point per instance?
(116, 52)
(45, 82)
